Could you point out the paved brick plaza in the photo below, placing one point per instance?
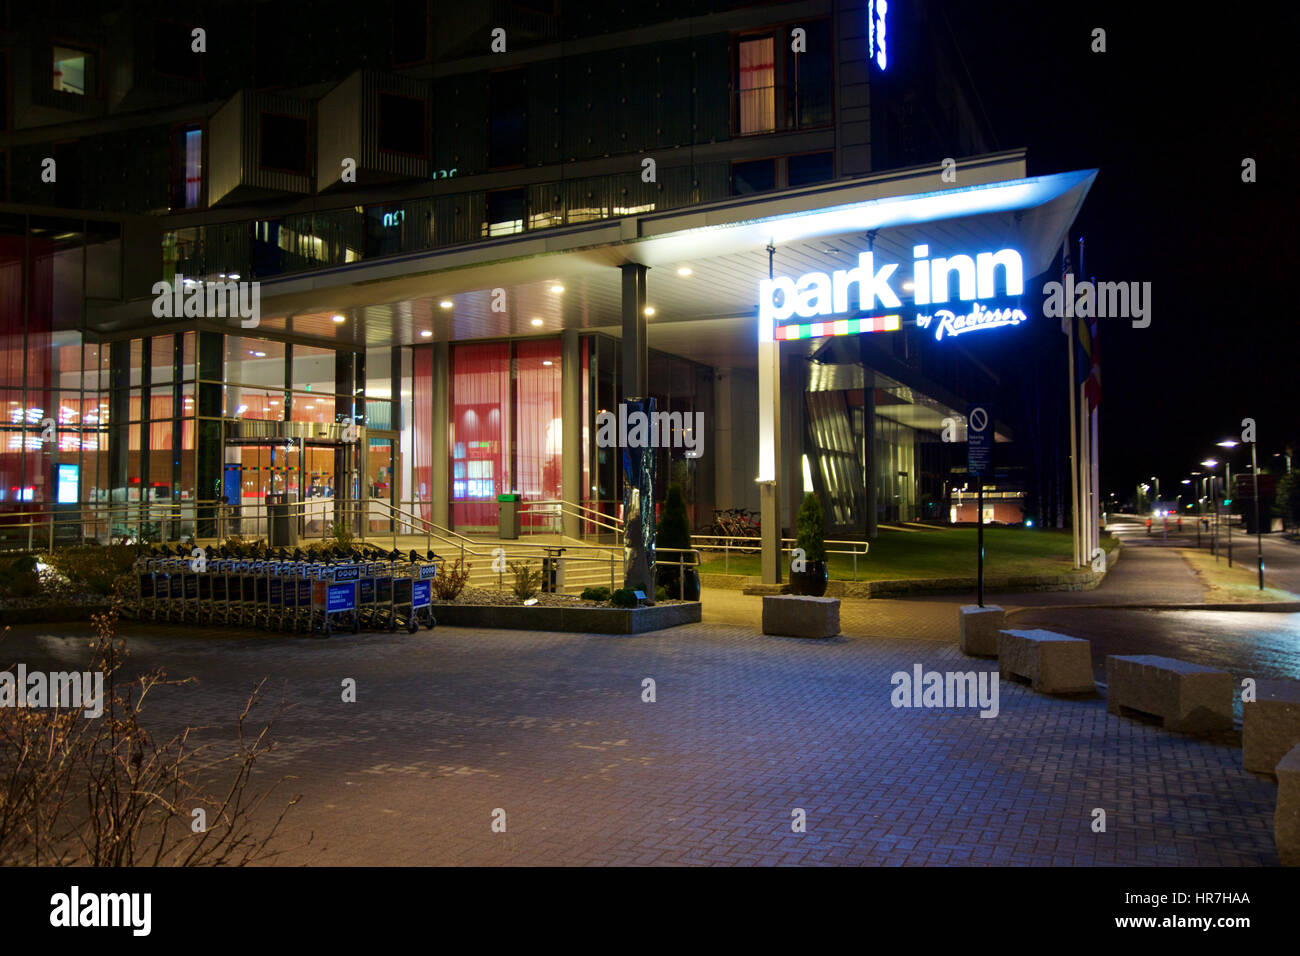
(454, 723)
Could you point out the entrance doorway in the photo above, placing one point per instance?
(318, 471)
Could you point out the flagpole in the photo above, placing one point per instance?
(1074, 437)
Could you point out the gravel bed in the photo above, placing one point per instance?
(507, 599)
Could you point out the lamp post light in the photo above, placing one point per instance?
(1211, 464)
(1196, 479)
(1227, 465)
(1259, 531)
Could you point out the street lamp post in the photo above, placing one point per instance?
(1211, 464)
(1259, 530)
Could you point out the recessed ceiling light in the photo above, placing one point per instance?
(649, 310)
(425, 333)
(339, 319)
(537, 321)
(547, 362)
(684, 271)
(259, 355)
(446, 304)
(557, 288)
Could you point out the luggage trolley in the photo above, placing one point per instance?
(176, 569)
(412, 595)
(144, 587)
(334, 598)
(422, 595)
(222, 573)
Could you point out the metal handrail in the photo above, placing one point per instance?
(755, 544)
(577, 511)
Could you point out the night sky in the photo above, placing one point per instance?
(1167, 114)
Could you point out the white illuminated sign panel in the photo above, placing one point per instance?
(877, 46)
(819, 297)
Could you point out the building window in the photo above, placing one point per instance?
(187, 168)
(75, 71)
(809, 80)
(753, 177)
(284, 143)
(173, 50)
(401, 125)
(410, 31)
(505, 212)
(756, 87)
(810, 168)
(508, 122)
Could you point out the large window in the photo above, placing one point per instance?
(505, 212)
(753, 177)
(75, 71)
(284, 143)
(187, 168)
(401, 125)
(809, 84)
(480, 424)
(756, 86)
(780, 84)
(810, 168)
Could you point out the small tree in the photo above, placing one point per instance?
(674, 530)
(811, 522)
(1286, 501)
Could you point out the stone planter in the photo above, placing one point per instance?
(811, 581)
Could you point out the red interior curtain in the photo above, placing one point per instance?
(539, 423)
(480, 403)
(422, 429)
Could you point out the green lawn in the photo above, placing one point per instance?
(942, 553)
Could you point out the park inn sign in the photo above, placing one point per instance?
(820, 297)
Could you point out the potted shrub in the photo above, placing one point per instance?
(674, 531)
(811, 538)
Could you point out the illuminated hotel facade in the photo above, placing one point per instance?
(463, 257)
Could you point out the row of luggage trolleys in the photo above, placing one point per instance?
(292, 596)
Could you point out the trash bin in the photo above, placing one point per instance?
(553, 571)
(508, 516)
(282, 528)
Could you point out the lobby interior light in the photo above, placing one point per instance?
(446, 304)
(557, 288)
(339, 319)
(537, 321)
(649, 310)
(547, 362)
(425, 333)
(684, 271)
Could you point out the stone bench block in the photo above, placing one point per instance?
(797, 615)
(1051, 662)
(1270, 724)
(1286, 819)
(979, 629)
(1188, 697)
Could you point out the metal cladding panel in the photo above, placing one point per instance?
(225, 165)
(545, 145)
(713, 89)
(373, 86)
(339, 128)
(460, 121)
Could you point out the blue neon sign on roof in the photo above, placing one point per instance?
(877, 48)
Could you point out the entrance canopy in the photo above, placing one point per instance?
(704, 265)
